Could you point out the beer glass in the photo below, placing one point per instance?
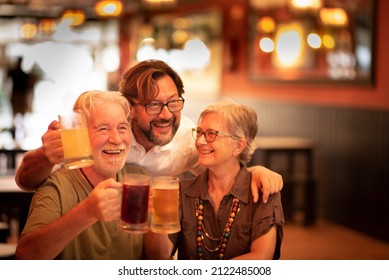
(75, 140)
(165, 218)
(135, 202)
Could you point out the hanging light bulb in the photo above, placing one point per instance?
(109, 8)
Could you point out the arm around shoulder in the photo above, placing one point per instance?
(33, 170)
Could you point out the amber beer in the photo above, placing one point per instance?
(76, 147)
(75, 140)
(165, 218)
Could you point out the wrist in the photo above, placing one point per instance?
(40, 152)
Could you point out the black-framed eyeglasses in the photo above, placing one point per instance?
(155, 108)
(210, 134)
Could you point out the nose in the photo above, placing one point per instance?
(202, 139)
(114, 137)
(165, 113)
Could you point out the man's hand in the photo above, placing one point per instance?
(103, 202)
(267, 181)
(51, 143)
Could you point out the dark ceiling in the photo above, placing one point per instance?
(53, 8)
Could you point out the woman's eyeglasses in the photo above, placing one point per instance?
(210, 134)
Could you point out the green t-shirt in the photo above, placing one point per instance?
(61, 192)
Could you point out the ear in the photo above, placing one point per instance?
(132, 113)
(241, 144)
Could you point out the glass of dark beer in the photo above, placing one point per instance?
(135, 201)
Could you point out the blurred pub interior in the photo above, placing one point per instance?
(313, 70)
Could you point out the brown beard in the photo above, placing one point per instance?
(161, 141)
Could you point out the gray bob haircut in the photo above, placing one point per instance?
(240, 121)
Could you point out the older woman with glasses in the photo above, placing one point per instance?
(219, 219)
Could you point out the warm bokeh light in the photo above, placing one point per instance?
(289, 46)
(158, 4)
(73, 17)
(180, 36)
(109, 8)
(28, 31)
(328, 41)
(47, 25)
(236, 12)
(266, 25)
(266, 45)
(314, 41)
(305, 4)
(333, 17)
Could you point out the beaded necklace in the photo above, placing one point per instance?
(202, 234)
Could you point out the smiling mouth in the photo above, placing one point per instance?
(162, 123)
(113, 152)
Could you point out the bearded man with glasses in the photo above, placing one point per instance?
(161, 139)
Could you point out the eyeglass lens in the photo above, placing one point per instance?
(210, 135)
(173, 106)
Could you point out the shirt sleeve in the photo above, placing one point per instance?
(265, 217)
(44, 208)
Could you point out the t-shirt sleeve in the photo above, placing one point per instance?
(44, 208)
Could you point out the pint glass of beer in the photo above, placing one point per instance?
(75, 140)
(165, 218)
(135, 202)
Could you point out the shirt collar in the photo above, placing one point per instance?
(241, 189)
(169, 146)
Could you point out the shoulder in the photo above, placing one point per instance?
(195, 186)
(65, 182)
(187, 183)
(59, 178)
(187, 122)
(275, 198)
(272, 208)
